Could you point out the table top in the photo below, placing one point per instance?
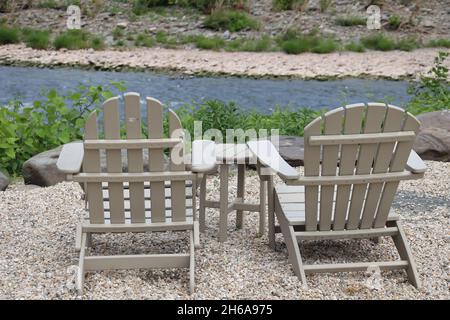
(234, 153)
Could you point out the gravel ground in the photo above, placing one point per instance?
(37, 251)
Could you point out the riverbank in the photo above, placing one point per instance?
(372, 64)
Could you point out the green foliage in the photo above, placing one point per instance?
(52, 4)
(264, 43)
(293, 42)
(144, 40)
(394, 22)
(432, 93)
(379, 41)
(279, 5)
(36, 39)
(118, 33)
(78, 39)
(355, 47)
(230, 20)
(444, 43)
(407, 44)
(324, 5)
(28, 130)
(213, 43)
(9, 35)
(349, 21)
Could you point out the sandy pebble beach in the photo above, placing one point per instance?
(37, 251)
(371, 64)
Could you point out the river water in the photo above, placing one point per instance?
(28, 83)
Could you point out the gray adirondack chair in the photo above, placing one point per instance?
(139, 200)
(355, 157)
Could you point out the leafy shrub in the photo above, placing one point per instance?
(97, 43)
(213, 43)
(407, 44)
(208, 6)
(36, 39)
(394, 22)
(144, 40)
(142, 6)
(118, 33)
(349, 21)
(257, 45)
(52, 4)
(294, 43)
(432, 92)
(77, 39)
(9, 35)
(230, 20)
(444, 43)
(379, 41)
(25, 130)
(279, 5)
(355, 47)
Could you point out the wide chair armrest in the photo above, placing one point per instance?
(71, 158)
(203, 156)
(415, 164)
(269, 157)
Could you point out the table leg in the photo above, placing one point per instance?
(240, 194)
(262, 207)
(270, 200)
(201, 212)
(223, 168)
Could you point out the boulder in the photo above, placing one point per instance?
(4, 181)
(433, 140)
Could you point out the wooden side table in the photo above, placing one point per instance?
(226, 155)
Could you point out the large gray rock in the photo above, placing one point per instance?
(433, 140)
(4, 181)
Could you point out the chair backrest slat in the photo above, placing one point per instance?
(135, 156)
(178, 188)
(111, 125)
(353, 124)
(312, 168)
(362, 199)
(332, 125)
(91, 164)
(156, 158)
(375, 115)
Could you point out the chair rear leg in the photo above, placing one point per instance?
(202, 208)
(405, 253)
(80, 274)
(192, 265)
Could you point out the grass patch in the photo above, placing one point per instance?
(407, 44)
(349, 21)
(394, 22)
(280, 5)
(77, 39)
(213, 43)
(36, 39)
(442, 43)
(9, 35)
(118, 33)
(355, 47)
(294, 43)
(379, 42)
(144, 40)
(230, 20)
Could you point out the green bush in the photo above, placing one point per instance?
(294, 43)
(77, 39)
(444, 43)
(207, 6)
(25, 130)
(118, 33)
(378, 41)
(394, 22)
(355, 47)
(265, 43)
(9, 35)
(279, 5)
(36, 39)
(230, 20)
(213, 43)
(407, 44)
(349, 21)
(142, 6)
(144, 40)
(432, 92)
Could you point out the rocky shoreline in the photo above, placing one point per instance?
(394, 65)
